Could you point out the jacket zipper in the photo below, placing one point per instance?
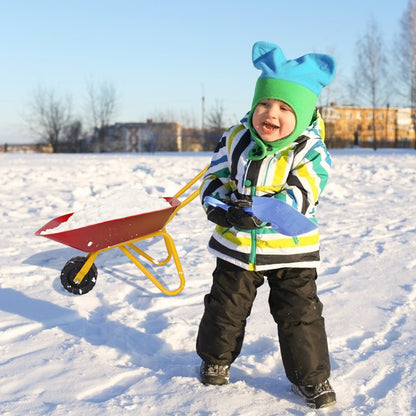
(252, 260)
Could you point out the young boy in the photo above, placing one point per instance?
(278, 152)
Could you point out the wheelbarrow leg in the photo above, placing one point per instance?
(172, 253)
(86, 267)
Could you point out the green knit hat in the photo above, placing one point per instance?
(297, 82)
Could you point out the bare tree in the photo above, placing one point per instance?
(405, 55)
(215, 126)
(102, 107)
(215, 118)
(166, 116)
(370, 71)
(71, 135)
(49, 115)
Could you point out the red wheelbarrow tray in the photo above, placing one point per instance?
(110, 233)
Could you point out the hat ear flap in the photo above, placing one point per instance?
(325, 68)
(267, 57)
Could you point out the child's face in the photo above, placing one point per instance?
(273, 120)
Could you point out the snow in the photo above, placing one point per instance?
(101, 209)
(127, 349)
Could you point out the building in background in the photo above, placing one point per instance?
(348, 126)
(137, 137)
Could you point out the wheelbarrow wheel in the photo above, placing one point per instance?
(71, 269)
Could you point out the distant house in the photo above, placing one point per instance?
(137, 137)
(26, 148)
(350, 125)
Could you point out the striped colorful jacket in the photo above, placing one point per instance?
(297, 174)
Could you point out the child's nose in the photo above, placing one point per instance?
(275, 111)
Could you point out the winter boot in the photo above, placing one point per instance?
(214, 373)
(321, 395)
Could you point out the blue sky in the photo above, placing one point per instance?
(163, 55)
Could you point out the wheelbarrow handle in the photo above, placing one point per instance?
(190, 197)
(190, 183)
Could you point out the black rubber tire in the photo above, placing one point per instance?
(70, 270)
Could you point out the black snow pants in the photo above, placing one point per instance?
(294, 305)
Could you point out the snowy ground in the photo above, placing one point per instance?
(126, 349)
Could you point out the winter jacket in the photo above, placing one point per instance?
(296, 174)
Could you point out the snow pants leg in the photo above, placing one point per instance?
(294, 305)
(227, 307)
(297, 311)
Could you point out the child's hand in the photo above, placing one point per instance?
(238, 217)
(218, 216)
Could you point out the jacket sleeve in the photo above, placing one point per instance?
(216, 181)
(309, 174)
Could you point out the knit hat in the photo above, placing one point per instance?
(297, 82)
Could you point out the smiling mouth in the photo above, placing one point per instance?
(269, 128)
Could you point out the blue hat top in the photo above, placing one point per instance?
(313, 71)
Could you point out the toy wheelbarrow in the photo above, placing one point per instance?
(79, 274)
